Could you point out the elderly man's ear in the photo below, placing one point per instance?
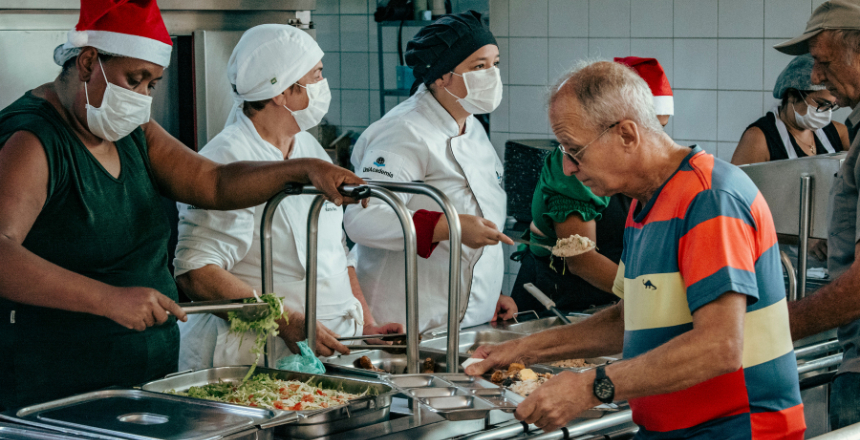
(630, 136)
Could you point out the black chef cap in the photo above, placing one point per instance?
(442, 45)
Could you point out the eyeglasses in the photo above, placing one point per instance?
(821, 106)
(572, 157)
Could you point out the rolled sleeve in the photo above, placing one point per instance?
(220, 238)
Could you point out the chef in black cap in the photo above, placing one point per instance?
(434, 137)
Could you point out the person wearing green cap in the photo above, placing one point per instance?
(832, 38)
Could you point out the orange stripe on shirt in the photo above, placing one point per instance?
(786, 424)
(675, 197)
(722, 396)
(714, 244)
(765, 229)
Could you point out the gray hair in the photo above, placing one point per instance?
(608, 92)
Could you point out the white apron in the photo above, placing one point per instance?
(786, 140)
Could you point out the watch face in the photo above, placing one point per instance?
(604, 389)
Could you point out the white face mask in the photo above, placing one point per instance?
(121, 111)
(813, 119)
(483, 91)
(319, 98)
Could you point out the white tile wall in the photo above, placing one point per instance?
(695, 114)
(608, 48)
(785, 19)
(531, 63)
(695, 18)
(563, 53)
(567, 18)
(527, 18)
(741, 18)
(609, 18)
(740, 64)
(528, 112)
(695, 64)
(651, 18)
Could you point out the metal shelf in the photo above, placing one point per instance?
(383, 92)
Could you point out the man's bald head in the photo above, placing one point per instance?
(605, 92)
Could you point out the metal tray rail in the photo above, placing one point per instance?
(371, 408)
(390, 361)
(457, 396)
(595, 362)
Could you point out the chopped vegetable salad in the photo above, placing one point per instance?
(265, 391)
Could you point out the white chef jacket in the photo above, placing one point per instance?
(231, 239)
(419, 140)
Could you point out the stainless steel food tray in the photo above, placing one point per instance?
(457, 396)
(390, 361)
(595, 362)
(471, 340)
(144, 415)
(372, 408)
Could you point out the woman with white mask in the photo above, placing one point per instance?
(279, 93)
(434, 137)
(85, 288)
(799, 125)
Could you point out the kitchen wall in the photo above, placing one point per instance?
(347, 34)
(717, 54)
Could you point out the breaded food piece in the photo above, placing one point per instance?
(429, 366)
(498, 376)
(514, 368)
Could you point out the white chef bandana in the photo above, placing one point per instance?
(268, 59)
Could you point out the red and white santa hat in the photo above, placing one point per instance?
(652, 72)
(131, 28)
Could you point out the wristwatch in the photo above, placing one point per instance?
(604, 389)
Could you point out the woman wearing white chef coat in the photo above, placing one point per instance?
(279, 93)
(433, 137)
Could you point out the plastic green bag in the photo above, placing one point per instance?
(305, 362)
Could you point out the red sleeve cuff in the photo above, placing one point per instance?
(425, 223)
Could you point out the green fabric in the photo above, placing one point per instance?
(557, 197)
(113, 230)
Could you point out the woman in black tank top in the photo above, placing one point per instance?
(799, 127)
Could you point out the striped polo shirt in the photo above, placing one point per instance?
(705, 232)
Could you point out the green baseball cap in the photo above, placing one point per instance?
(834, 14)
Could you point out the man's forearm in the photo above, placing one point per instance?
(834, 305)
(211, 283)
(714, 347)
(599, 335)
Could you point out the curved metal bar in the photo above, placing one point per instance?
(311, 271)
(821, 363)
(806, 182)
(791, 274)
(455, 232)
(266, 244)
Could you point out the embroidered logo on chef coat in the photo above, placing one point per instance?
(500, 179)
(384, 163)
(329, 207)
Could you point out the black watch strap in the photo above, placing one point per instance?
(604, 389)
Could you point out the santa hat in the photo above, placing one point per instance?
(652, 72)
(131, 28)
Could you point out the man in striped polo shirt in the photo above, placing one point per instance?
(703, 323)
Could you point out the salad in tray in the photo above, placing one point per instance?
(265, 391)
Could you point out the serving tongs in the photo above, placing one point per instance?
(244, 311)
(384, 337)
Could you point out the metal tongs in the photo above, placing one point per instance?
(245, 311)
(384, 337)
